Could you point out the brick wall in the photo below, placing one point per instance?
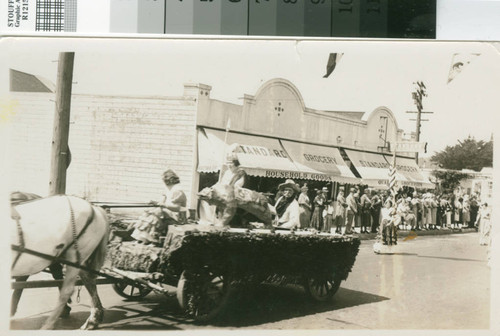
(120, 145)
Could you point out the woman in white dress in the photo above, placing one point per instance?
(153, 224)
(484, 221)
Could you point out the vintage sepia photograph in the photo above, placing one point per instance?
(170, 184)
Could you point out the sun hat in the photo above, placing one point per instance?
(289, 183)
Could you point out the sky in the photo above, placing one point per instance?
(369, 75)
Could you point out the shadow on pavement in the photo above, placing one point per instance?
(268, 303)
(248, 306)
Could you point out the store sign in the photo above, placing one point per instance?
(297, 175)
(411, 146)
(405, 183)
(320, 158)
(263, 151)
(385, 165)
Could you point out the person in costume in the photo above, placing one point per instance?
(287, 207)
(234, 175)
(171, 210)
(390, 220)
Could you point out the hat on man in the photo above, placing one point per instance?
(324, 189)
(304, 187)
(289, 184)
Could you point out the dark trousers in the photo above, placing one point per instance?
(375, 220)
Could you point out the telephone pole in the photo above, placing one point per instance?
(60, 157)
(417, 96)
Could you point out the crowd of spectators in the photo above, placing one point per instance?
(360, 210)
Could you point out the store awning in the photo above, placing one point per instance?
(258, 156)
(374, 170)
(326, 162)
(271, 157)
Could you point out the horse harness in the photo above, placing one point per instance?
(17, 217)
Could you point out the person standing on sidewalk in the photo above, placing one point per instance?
(474, 208)
(304, 207)
(433, 206)
(319, 206)
(375, 211)
(484, 222)
(340, 211)
(366, 205)
(465, 211)
(352, 210)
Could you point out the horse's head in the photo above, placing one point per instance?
(18, 197)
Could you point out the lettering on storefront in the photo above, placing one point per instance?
(320, 158)
(374, 164)
(297, 175)
(263, 151)
(405, 183)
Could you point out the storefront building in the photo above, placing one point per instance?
(121, 145)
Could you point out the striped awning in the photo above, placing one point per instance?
(374, 170)
(271, 157)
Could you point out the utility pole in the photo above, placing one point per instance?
(60, 157)
(417, 96)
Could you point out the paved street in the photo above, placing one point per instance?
(434, 282)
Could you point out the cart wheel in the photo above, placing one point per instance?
(322, 290)
(204, 295)
(129, 291)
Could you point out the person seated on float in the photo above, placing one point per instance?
(234, 175)
(237, 177)
(287, 207)
(172, 210)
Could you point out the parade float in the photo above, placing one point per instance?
(206, 263)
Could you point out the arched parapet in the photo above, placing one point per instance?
(277, 108)
(381, 128)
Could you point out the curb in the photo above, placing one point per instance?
(406, 233)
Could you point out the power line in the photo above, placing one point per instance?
(417, 96)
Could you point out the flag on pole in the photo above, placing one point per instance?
(333, 59)
(458, 63)
(392, 181)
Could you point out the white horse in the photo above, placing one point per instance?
(67, 227)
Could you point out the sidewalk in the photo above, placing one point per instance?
(405, 233)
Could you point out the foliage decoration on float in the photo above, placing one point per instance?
(244, 256)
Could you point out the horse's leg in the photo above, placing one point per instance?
(16, 296)
(64, 294)
(96, 310)
(56, 270)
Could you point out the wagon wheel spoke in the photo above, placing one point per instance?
(322, 289)
(203, 296)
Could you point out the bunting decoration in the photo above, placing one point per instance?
(458, 63)
(333, 59)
